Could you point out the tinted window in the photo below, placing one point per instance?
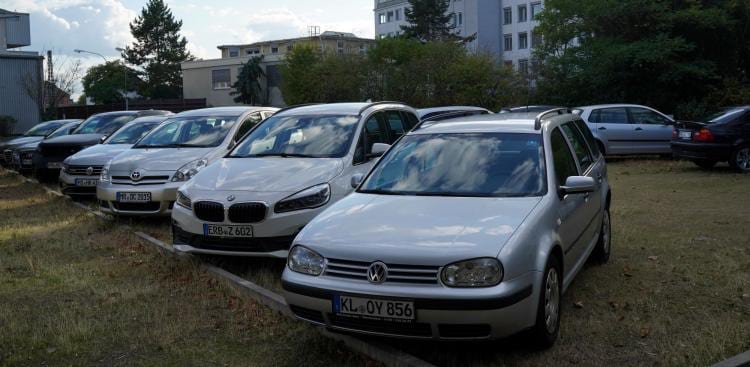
(43, 129)
(65, 130)
(106, 124)
(487, 164)
(396, 125)
(131, 134)
(320, 136)
(593, 145)
(565, 165)
(725, 116)
(579, 145)
(644, 116)
(612, 116)
(411, 120)
(248, 124)
(189, 131)
(372, 133)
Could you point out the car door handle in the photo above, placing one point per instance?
(602, 128)
(638, 129)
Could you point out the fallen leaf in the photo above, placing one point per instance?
(578, 304)
(51, 350)
(645, 331)
(621, 318)
(653, 258)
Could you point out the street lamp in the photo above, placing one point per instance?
(79, 51)
(125, 92)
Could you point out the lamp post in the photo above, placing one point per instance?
(125, 92)
(79, 51)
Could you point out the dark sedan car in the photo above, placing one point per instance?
(51, 153)
(722, 137)
(35, 134)
(23, 156)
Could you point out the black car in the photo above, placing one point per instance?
(23, 156)
(722, 137)
(35, 134)
(51, 153)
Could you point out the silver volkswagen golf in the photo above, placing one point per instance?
(470, 228)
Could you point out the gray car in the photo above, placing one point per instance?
(629, 129)
(466, 229)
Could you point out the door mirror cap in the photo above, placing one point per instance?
(378, 149)
(578, 185)
(357, 179)
(102, 139)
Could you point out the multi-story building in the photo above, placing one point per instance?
(504, 28)
(212, 79)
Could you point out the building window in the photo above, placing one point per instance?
(509, 63)
(274, 50)
(234, 52)
(523, 66)
(460, 18)
(522, 15)
(536, 40)
(536, 8)
(508, 15)
(523, 41)
(508, 42)
(381, 18)
(389, 17)
(398, 14)
(289, 48)
(220, 78)
(362, 49)
(340, 46)
(252, 51)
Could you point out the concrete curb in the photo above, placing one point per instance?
(740, 360)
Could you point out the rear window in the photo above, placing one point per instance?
(727, 115)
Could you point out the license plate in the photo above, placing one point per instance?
(26, 162)
(217, 230)
(86, 182)
(133, 197)
(686, 134)
(380, 309)
(54, 165)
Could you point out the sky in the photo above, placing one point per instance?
(102, 25)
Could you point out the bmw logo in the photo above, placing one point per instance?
(230, 198)
(377, 272)
(135, 175)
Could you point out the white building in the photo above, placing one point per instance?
(504, 28)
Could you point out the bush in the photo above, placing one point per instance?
(6, 125)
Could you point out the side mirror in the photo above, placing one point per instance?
(102, 139)
(578, 185)
(378, 149)
(357, 179)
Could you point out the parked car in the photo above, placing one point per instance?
(427, 113)
(294, 165)
(35, 134)
(143, 180)
(528, 109)
(81, 171)
(466, 229)
(722, 137)
(52, 152)
(23, 156)
(628, 129)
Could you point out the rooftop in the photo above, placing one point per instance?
(497, 123)
(351, 109)
(324, 35)
(225, 111)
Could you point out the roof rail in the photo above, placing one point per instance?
(373, 104)
(539, 117)
(449, 115)
(295, 106)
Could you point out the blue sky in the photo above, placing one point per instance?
(102, 25)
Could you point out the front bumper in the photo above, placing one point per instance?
(41, 165)
(441, 313)
(69, 184)
(703, 151)
(162, 199)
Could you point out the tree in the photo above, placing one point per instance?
(105, 83)
(429, 20)
(247, 88)
(298, 76)
(50, 93)
(158, 50)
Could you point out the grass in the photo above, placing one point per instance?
(75, 290)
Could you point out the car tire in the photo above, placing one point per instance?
(705, 163)
(740, 159)
(604, 245)
(547, 326)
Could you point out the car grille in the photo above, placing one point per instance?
(247, 212)
(8, 156)
(81, 170)
(145, 180)
(153, 206)
(254, 244)
(209, 211)
(381, 327)
(415, 274)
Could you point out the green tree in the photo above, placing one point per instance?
(247, 88)
(429, 20)
(105, 83)
(298, 76)
(158, 50)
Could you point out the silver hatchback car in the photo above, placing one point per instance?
(470, 228)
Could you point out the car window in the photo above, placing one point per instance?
(189, 131)
(131, 134)
(248, 124)
(580, 148)
(106, 124)
(589, 136)
(43, 129)
(411, 120)
(648, 117)
(65, 130)
(618, 115)
(372, 133)
(396, 125)
(565, 164)
(725, 116)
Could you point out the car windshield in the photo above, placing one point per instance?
(42, 129)
(467, 164)
(316, 136)
(189, 132)
(131, 134)
(104, 124)
(724, 116)
(65, 130)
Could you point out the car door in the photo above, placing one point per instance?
(652, 131)
(613, 125)
(373, 131)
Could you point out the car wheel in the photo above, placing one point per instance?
(547, 327)
(740, 159)
(604, 245)
(705, 163)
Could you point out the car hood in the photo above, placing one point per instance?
(417, 230)
(268, 174)
(157, 159)
(17, 142)
(29, 146)
(78, 139)
(97, 155)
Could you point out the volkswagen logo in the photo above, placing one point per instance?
(377, 272)
(230, 198)
(89, 171)
(135, 175)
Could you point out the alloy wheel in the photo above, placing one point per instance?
(743, 159)
(552, 300)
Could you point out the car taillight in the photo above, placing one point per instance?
(703, 135)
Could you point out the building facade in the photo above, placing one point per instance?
(21, 73)
(503, 28)
(212, 79)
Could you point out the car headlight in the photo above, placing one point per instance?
(184, 201)
(303, 260)
(104, 176)
(309, 198)
(186, 172)
(483, 272)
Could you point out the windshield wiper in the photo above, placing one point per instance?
(283, 155)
